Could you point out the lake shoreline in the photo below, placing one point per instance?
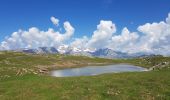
(96, 70)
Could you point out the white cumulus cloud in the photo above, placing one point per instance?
(125, 41)
(150, 37)
(156, 37)
(168, 19)
(80, 43)
(55, 21)
(34, 38)
(102, 35)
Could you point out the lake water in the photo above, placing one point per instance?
(96, 70)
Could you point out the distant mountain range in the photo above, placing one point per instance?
(102, 53)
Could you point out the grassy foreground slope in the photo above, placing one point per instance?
(30, 84)
(153, 85)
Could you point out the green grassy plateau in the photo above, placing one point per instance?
(25, 77)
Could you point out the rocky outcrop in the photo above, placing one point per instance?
(160, 66)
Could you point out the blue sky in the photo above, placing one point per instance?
(84, 15)
(122, 25)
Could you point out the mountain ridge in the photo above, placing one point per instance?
(101, 53)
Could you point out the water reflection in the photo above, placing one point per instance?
(96, 70)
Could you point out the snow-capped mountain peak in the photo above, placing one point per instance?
(89, 50)
(74, 49)
(65, 49)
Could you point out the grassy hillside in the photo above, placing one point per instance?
(21, 79)
(17, 63)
